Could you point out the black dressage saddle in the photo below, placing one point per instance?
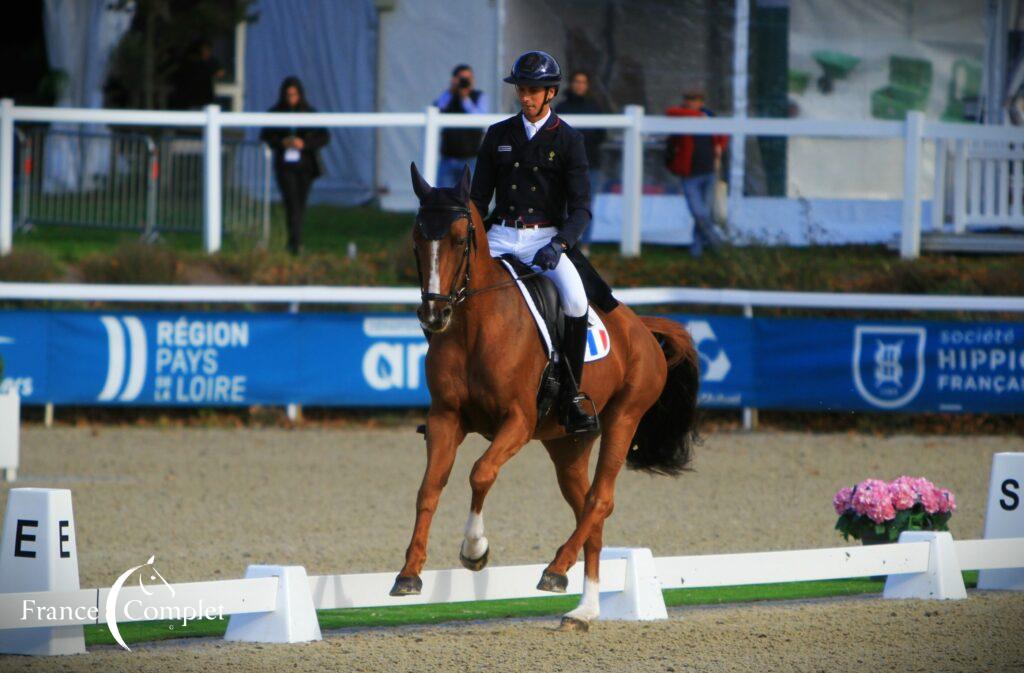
(545, 298)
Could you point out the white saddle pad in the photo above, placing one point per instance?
(599, 341)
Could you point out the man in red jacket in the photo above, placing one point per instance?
(696, 160)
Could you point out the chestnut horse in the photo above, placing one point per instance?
(483, 369)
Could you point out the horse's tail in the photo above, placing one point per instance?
(664, 440)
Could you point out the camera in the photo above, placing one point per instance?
(464, 83)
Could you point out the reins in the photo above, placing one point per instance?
(456, 295)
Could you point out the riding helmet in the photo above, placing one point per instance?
(535, 68)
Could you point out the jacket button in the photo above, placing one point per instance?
(511, 207)
(534, 168)
(514, 187)
(516, 164)
(529, 210)
(534, 188)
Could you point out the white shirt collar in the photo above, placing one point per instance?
(531, 128)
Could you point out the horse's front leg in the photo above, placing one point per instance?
(444, 434)
(514, 432)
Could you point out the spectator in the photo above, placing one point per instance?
(697, 159)
(296, 157)
(578, 101)
(459, 146)
(194, 78)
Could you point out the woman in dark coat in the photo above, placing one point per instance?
(296, 157)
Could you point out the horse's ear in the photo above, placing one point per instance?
(464, 185)
(419, 185)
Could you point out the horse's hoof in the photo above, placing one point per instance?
(553, 582)
(573, 624)
(421, 429)
(407, 586)
(474, 564)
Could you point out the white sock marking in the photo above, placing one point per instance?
(475, 544)
(590, 602)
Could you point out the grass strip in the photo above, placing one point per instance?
(138, 632)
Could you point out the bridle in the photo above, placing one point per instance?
(460, 292)
(456, 294)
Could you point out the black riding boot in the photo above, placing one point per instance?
(578, 412)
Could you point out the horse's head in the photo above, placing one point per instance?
(443, 240)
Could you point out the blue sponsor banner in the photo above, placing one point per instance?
(23, 346)
(348, 359)
(846, 365)
(213, 359)
(726, 359)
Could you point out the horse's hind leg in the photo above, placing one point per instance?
(571, 456)
(444, 434)
(513, 433)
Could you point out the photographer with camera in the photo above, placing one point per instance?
(459, 146)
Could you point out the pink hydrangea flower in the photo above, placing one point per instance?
(870, 494)
(947, 501)
(882, 510)
(842, 500)
(932, 500)
(902, 493)
(921, 486)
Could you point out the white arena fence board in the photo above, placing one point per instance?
(719, 570)
(452, 586)
(238, 596)
(991, 554)
(71, 608)
(247, 596)
(316, 294)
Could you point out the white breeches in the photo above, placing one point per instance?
(524, 244)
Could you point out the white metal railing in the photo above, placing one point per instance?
(987, 183)
(296, 295)
(634, 122)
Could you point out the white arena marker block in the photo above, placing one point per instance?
(1004, 517)
(10, 428)
(942, 580)
(292, 621)
(641, 598)
(38, 552)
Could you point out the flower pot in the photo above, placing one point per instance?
(870, 538)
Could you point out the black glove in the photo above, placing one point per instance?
(548, 256)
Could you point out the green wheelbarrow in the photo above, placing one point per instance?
(835, 65)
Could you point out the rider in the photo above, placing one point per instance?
(538, 165)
